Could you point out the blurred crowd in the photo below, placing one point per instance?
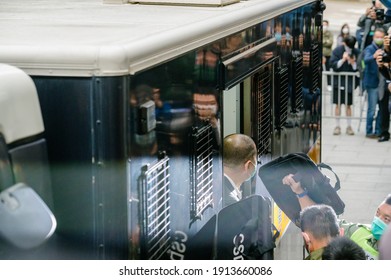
(361, 60)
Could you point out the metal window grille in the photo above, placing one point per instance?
(315, 67)
(261, 108)
(155, 208)
(282, 95)
(297, 81)
(201, 164)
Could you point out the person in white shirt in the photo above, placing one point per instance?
(240, 165)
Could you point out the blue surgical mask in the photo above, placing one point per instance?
(277, 35)
(288, 36)
(378, 227)
(254, 172)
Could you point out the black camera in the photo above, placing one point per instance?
(379, 14)
(386, 58)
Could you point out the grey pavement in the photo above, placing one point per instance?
(339, 12)
(363, 165)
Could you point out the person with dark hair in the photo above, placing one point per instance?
(319, 225)
(207, 111)
(368, 23)
(385, 70)
(240, 165)
(328, 41)
(366, 236)
(342, 248)
(373, 82)
(343, 59)
(345, 31)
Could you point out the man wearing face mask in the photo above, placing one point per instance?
(366, 236)
(206, 109)
(373, 82)
(240, 165)
(368, 22)
(384, 69)
(319, 225)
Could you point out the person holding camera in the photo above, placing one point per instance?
(372, 19)
(373, 82)
(344, 59)
(384, 64)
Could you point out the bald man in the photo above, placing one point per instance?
(240, 165)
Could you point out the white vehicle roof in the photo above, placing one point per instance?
(20, 112)
(88, 37)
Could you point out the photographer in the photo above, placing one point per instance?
(384, 63)
(373, 82)
(372, 19)
(344, 59)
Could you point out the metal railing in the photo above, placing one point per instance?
(350, 82)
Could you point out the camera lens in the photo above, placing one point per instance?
(386, 58)
(379, 14)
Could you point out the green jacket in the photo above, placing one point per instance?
(315, 255)
(362, 235)
(327, 43)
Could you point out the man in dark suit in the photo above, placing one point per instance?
(385, 70)
(344, 59)
(373, 82)
(240, 165)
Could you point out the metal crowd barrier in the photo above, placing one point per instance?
(359, 96)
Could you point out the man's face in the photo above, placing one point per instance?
(205, 106)
(384, 212)
(378, 35)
